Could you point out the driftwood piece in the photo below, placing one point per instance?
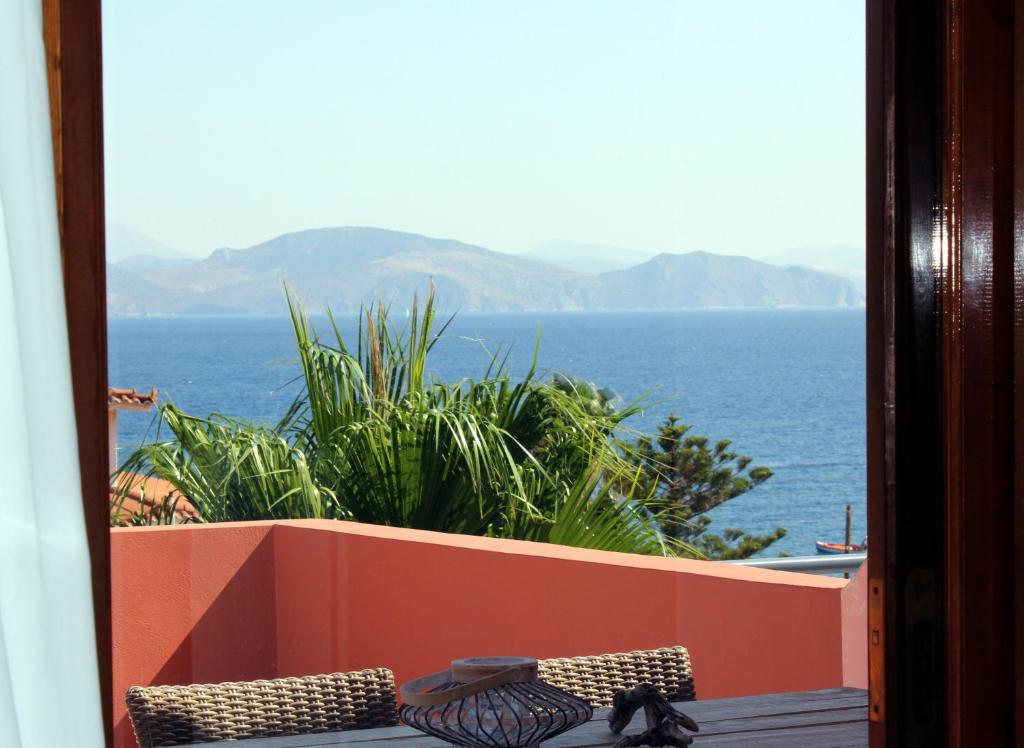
(663, 720)
(666, 734)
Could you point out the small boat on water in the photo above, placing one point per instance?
(833, 549)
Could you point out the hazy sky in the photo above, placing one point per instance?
(724, 126)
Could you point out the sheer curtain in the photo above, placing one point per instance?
(49, 688)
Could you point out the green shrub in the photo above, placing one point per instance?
(371, 438)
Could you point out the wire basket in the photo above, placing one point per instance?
(491, 702)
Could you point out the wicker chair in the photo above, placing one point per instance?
(597, 678)
(176, 715)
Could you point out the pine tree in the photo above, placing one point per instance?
(692, 477)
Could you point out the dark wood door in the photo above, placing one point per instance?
(946, 284)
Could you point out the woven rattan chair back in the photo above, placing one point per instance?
(177, 715)
(597, 678)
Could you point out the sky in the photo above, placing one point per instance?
(663, 125)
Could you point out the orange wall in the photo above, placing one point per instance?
(207, 603)
(855, 630)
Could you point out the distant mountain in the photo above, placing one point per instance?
(587, 258)
(839, 259)
(149, 263)
(130, 294)
(133, 250)
(346, 267)
(704, 280)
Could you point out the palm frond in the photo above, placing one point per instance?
(369, 438)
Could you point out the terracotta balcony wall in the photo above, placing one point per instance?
(237, 601)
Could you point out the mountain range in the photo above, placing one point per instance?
(588, 258)
(838, 259)
(346, 267)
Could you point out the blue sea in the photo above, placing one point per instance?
(787, 386)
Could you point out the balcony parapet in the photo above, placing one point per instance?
(247, 600)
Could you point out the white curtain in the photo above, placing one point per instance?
(49, 689)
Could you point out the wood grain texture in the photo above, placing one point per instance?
(904, 417)
(945, 321)
(1018, 366)
(74, 72)
(950, 264)
(878, 325)
(978, 355)
(832, 717)
(952, 311)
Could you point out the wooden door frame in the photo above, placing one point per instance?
(71, 30)
(944, 329)
(903, 373)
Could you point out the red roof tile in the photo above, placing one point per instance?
(148, 496)
(125, 396)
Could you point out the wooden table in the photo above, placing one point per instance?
(833, 718)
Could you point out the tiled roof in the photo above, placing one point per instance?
(124, 396)
(147, 496)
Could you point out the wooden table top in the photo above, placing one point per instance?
(833, 718)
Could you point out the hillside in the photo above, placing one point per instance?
(346, 267)
(844, 260)
(704, 280)
(125, 244)
(587, 258)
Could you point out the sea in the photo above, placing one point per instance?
(786, 386)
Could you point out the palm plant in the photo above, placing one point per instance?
(372, 438)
